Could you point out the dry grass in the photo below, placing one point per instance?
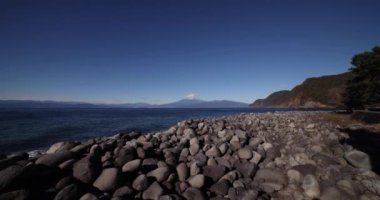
(345, 120)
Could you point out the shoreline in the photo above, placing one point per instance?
(283, 155)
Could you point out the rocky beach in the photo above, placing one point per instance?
(281, 155)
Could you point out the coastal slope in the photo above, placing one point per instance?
(317, 92)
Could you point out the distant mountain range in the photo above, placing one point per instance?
(184, 103)
(318, 92)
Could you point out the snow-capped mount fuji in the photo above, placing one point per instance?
(197, 103)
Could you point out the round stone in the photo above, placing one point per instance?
(108, 180)
(245, 154)
(131, 165)
(197, 181)
(310, 186)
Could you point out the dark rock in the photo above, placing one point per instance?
(214, 172)
(61, 146)
(305, 169)
(124, 192)
(194, 193)
(246, 169)
(79, 149)
(161, 173)
(131, 165)
(65, 181)
(122, 159)
(213, 152)
(200, 158)
(88, 196)
(154, 191)
(95, 150)
(140, 152)
(245, 153)
(197, 181)
(87, 169)
(140, 183)
(68, 193)
(9, 175)
(19, 156)
(108, 180)
(182, 171)
(221, 187)
(271, 175)
(310, 186)
(324, 160)
(54, 159)
(170, 197)
(15, 195)
(247, 195)
(38, 177)
(358, 159)
(67, 165)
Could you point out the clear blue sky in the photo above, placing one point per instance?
(160, 51)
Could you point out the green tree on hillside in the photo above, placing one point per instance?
(363, 88)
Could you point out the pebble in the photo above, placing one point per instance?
(182, 171)
(154, 191)
(310, 186)
(197, 181)
(161, 173)
(131, 165)
(245, 154)
(140, 183)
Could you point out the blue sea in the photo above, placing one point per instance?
(30, 129)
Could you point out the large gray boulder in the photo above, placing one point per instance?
(9, 175)
(88, 196)
(194, 193)
(161, 173)
(197, 181)
(60, 146)
(108, 180)
(214, 172)
(131, 165)
(154, 191)
(123, 192)
(68, 193)
(54, 159)
(140, 183)
(221, 187)
(182, 171)
(246, 169)
(245, 153)
(15, 195)
(310, 186)
(87, 169)
(358, 159)
(271, 175)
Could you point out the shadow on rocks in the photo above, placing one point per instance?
(365, 141)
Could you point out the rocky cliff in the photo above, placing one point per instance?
(319, 92)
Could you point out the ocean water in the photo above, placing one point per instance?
(30, 129)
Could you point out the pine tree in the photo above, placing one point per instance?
(363, 89)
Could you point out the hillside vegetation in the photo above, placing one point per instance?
(320, 92)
